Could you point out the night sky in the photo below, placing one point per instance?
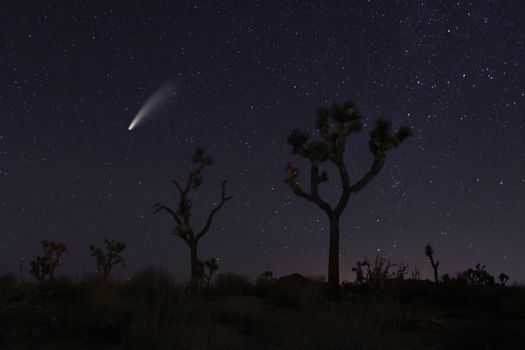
(247, 72)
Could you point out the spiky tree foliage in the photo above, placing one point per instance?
(44, 266)
(335, 126)
(181, 215)
(429, 252)
(106, 260)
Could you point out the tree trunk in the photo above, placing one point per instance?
(194, 267)
(333, 259)
(106, 274)
(436, 279)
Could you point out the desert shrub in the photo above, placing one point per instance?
(464, 300)
(316, 278)
(514, 304)
(262, 287)
(103, 296)
(150, 283)
(492, 334)
(291, 291)
(232, 284)
(7, 281)
(61, 289)
(9, 291)
(412, 290)
(376, 276)
(297, 296)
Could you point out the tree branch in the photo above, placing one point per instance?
(159, 206)
(314, 188)
(345, 182)
(291, 175)
(223, 200)
(179, 187)
(377, 165)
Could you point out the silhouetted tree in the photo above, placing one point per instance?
(477, 276)
(415, 274)
(209, 268)
(44, 266)
(106, 260)
(181, 215)
(503, 278)
(429, 252)
(266, 276)
(335, 125)
(358, 269)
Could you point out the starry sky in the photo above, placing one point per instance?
(247, 73)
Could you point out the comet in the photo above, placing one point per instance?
(154, 103)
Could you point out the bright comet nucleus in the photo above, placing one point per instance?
(160, 98)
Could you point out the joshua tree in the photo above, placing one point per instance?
(429, 252)
(503, 278)
(112, 257)
(209, 267)
(477, 276)
(44, 266)
(335, 125)
(359, 274)
(181, 215)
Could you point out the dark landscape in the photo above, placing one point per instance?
(200, 175)
(151, 311)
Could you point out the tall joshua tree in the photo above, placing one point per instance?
(429, 252)
(335, 126)
(182, 214)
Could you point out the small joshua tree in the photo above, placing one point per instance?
(181, 215)
(44, 266)
(503, 278)
(429, 252)
(335, 126)
(209, 268)
(358, 269)
(266, 276)
(477, 276)
(106, 260)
